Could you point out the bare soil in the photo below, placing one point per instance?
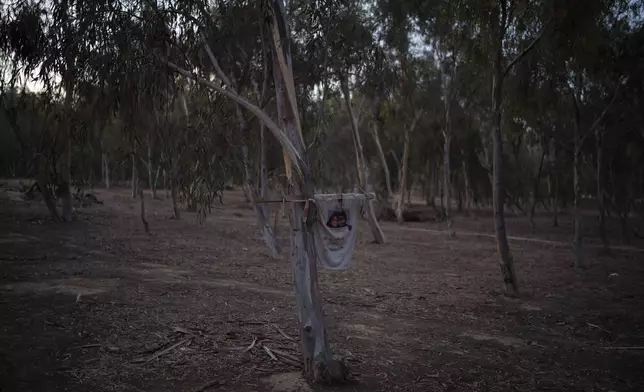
(98, 305)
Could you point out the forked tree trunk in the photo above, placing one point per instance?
(319, 364)
(378, 235)
(400, 203)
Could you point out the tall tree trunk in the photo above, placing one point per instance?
(261, 209)
(135, 177)
(146, 227)
(447, 184)
(403, 179)
(379, 236)
(319, 364)
(430, 188)
(106, 170)
(405, 168)
(535, 190)
(440, 185)
(176, 213)
(43, 182)
(600, 190)
(555, 203)
(152, 182)
(578, 236)
(375, 126)
(165, 183)
(466, 180)
(67, 167)
(510, 283)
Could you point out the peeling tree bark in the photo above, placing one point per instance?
(319, 364)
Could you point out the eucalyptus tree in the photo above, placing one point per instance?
(318, 360)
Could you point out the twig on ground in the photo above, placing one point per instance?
(250, 347)
(163, 352)
(86, 346)
(270, 353)
(286, 355)
(283, 333)
(181, 330)
(597, 326)
(212, 384)
(624, 348)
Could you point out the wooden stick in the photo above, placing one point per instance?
(163, 352)
(624, 348)
(283, 333)
(270, 353)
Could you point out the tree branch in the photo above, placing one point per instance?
(525, 51)
(270, 124)
(215, 63)
(603, 113)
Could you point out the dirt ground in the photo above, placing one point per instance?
(98, 305)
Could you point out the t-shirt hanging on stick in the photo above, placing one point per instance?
(335, 229)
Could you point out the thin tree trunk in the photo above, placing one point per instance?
(555, 203)
(431, 191)
(535, 190)
(440, 185)
(142, 204)
(600, 190)
(48, 198)
(176, 214)
(447, 184)
(135, 179)
(578, 237)
(405, 168)
(67, 166)
(319, 364)
(379, 236)
(152, 183)
(510, 283)
(403, 179)
(165, 183)
(261, 210)
(466, 180)
(381, 154)
(106, 170)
